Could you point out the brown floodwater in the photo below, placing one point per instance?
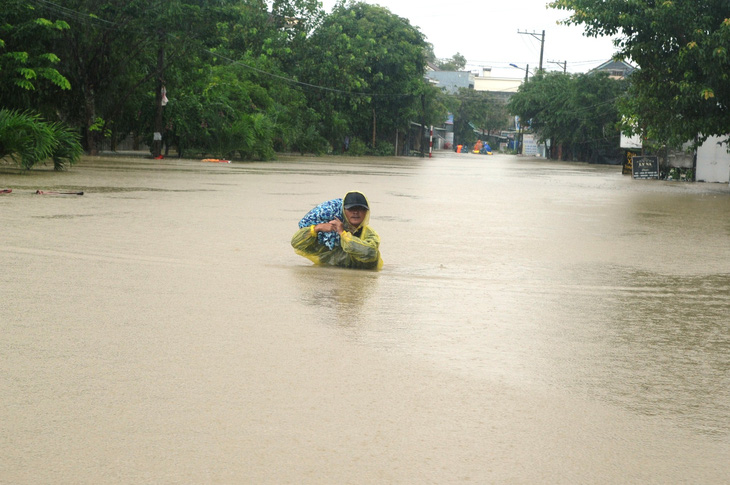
(535, 322)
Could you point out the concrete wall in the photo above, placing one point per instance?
(680, 159)
(498, 84)
(713, 161)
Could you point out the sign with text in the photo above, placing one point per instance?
(645, 167)
(529, 144)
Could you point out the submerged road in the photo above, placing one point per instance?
(535, 322)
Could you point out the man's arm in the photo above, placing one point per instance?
(365, 248)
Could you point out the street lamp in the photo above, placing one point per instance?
(527, 69)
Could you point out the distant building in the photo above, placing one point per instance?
(501, 88)
(451, 81)
(615, 69)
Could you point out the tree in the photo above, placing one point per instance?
(682, 89)
(578, 112)
(221, 63)
(240, 79)
(28, 66)
(116, 54)
(370, 64)
(477, 110)
(27, 140)
(29, 78)
(456, 63)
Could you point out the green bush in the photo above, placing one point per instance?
(357, 148)
(27, 140)
(383, 149)
(310, 141)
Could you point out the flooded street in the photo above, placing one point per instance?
(535, 322)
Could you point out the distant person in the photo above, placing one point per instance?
(336, 232)
(477, 146)
(486, 148)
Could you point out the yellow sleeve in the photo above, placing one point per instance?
(305, 243)
(365, 248)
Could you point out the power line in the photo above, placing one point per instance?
(542, 42)
(564, 64)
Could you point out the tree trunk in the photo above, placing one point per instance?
(157, 137)
(373, 128)
(423, 122)
(92, 136)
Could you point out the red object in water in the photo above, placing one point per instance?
(159, 157)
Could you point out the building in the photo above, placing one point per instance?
(501, 88)
(713, 160)
(451, 81)
(615, 69)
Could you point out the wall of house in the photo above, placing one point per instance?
(680, 159)
(713, 161)
(498, 84)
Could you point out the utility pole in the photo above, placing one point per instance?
(564, 64)
(542, 42)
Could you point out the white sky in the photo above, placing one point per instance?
(486, 34)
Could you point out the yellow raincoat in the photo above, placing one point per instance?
(356, 247)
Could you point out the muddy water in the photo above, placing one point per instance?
(535, 322)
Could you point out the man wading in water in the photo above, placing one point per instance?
(336, 232)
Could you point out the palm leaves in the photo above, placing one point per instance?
(26, 139)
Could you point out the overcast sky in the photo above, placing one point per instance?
(486, 33)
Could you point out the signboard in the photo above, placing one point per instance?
(645, 167)
(631, 143)
(529, 145)
(628, 168)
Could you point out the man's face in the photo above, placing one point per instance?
(356, 215)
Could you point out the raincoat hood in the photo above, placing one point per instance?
(366, 218)
(333, 209)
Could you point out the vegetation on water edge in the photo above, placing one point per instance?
(249, 78)
(28, 140)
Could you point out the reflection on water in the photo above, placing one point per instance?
(340, 295)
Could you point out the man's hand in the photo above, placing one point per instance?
(335, 225)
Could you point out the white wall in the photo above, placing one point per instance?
(508, 85)
(713, 161)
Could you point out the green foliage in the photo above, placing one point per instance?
(357, 148)
(682, 88)
(26, 66)
(383, 149)
(67, 147)
(28, 140)
(372, 61)
(577, 111)
(480, 110)
(456, 63)
(242, 81)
